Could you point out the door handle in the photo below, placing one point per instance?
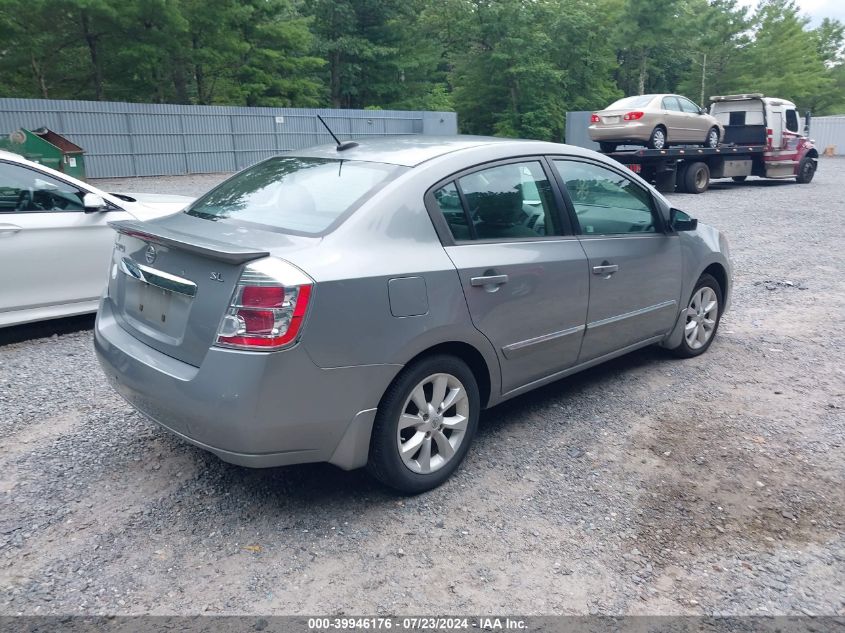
(8, 229)
(605, 269)
(489, 280)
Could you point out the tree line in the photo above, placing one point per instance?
(508, 67)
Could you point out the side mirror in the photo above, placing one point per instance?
(680, 221)
(702, 110)
(93, 203)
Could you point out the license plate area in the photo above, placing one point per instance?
(612, 119)
(158, 312)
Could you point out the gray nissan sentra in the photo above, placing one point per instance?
(360, 305)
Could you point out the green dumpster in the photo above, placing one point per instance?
(48, 148)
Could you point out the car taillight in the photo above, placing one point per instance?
(267, 308)
(633, 116)
(594, 118)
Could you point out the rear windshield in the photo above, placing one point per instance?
(631, 102)
(295, 195)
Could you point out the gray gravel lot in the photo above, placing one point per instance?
(649, 485)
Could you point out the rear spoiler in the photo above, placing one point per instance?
(202, 246)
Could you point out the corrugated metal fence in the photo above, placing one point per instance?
(141, 139)
(828, 131)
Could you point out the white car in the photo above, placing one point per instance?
(55, 241)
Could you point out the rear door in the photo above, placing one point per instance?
(51, 251)
(635, 268)
(675, 120)
(523, 273)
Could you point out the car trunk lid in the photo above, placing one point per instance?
(172, 279)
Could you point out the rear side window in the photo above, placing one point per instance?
(295, 195)
(505, 203)
(605, 202)
(671, 103)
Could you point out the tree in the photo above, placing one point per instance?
(716, 49)
(800, 74)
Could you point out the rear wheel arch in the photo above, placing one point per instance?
(471, 356)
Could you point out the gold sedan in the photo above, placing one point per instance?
(656, 121)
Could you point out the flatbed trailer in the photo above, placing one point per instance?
(762, 138)
(690, 169)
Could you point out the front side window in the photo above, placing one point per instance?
(505, 202)
(606, 203)
(688, 106)
(792, 121)
(24, 190)
(296, 195)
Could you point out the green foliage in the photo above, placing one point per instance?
(508, 67)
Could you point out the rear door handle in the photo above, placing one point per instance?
(605, 269)
(489, 280)
(8, 229)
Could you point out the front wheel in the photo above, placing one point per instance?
(712, 140)
(806, 170)
(702, 316)
(424, 425)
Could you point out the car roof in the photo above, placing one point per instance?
(411, 151)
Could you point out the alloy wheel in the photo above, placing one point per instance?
(433, 423)
(702, 314)
(658, 138)
(713, 138)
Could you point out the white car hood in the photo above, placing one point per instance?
(146, 206)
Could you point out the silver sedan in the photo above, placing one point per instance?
(361, 305)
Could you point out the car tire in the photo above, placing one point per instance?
(806, 171)
(739, 178)
(425, 464)
(607, 148)
(712, 140)
(696, 178)
(658, 139)
(700, 323)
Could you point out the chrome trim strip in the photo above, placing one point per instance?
(158, 278)
(576, 368)
(635, 313)
(523, 347)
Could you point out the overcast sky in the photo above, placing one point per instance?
(816, 9)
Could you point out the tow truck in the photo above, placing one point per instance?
(762, 137)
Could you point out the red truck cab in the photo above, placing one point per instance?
(753, 120)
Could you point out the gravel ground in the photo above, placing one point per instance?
(648, 485)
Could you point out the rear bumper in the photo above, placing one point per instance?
(634, 132)
(252, 409)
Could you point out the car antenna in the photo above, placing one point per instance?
(340, 146)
